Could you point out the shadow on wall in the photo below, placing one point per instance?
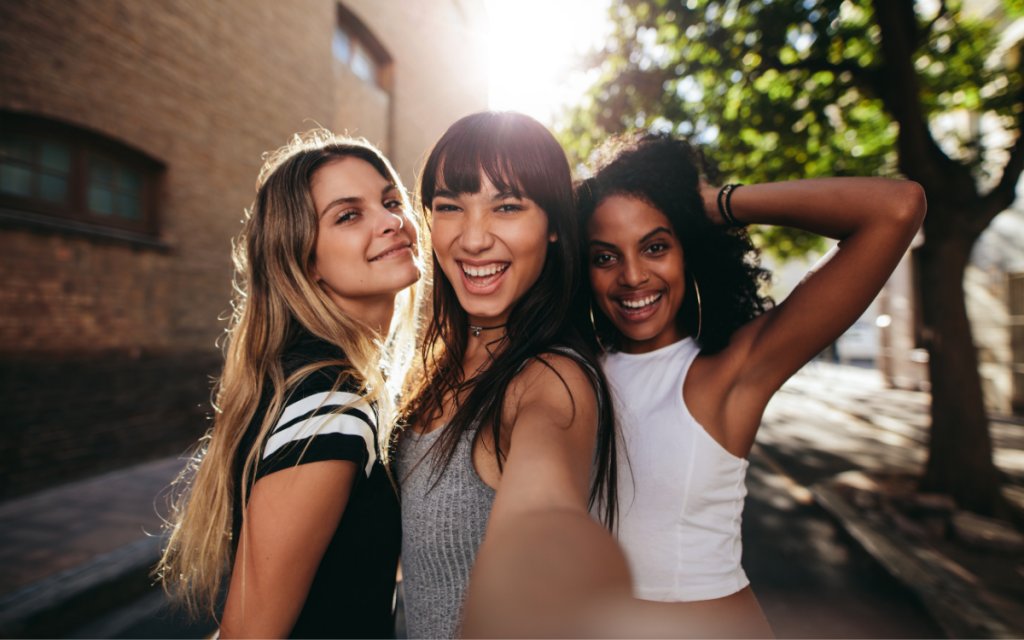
(69, 418)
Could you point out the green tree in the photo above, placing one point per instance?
(784, 89)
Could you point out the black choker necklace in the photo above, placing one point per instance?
(476, 330)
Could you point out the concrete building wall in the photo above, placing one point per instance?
(117, 337)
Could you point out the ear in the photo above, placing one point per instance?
(553, 237)
(314, 272)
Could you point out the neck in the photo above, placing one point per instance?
(484, 335)
(376, 313)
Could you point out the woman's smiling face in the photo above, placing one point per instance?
(365, 247)
(491, 245)
(637, 272)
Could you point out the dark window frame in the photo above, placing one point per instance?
(85, 145)
(360, 34)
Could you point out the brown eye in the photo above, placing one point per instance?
(347, 216)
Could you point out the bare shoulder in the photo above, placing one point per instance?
(552, 412)
(555, 381)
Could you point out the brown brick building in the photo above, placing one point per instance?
(132, 134)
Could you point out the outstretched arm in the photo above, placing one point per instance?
(874, 220)
(546, 569)
(559, 574)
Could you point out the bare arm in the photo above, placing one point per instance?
(546, 569)
(546, 475)
(292, 516)
(559, 574)
(552, 442)
(874, 220)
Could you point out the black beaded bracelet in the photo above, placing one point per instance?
(725, 205)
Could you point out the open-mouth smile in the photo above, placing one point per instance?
(636, 308)
(483, 278)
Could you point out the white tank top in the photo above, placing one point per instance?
(680, 493)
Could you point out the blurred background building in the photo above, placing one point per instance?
(131, 135)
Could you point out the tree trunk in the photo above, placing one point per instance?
(960, 453)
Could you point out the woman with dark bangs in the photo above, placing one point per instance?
(694, 351)
(511, 410)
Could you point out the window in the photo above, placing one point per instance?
(53, 170)
(359, 50)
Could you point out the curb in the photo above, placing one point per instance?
(953, 596)
(69, 599)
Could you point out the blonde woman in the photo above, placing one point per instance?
(292, 492)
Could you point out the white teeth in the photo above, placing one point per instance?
(483, 271)
(643, 302)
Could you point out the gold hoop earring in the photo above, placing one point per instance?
(594, 325)
(700, 314)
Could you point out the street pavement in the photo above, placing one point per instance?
(811, 580)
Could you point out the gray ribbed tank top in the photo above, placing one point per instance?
(442, 528)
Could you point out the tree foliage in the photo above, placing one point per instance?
(786, 89)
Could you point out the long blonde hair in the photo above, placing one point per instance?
(275, 299)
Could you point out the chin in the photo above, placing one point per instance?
(480, 308)
(406, 275)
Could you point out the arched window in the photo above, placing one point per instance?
(50, 171)
(356, 46)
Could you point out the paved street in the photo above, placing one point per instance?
(811, 580)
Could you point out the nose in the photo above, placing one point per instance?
(476, 235)
(633, 274)
(391, 221)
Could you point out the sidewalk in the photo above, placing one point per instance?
(840, 436)
(73, 552)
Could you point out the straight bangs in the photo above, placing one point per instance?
(514, 152)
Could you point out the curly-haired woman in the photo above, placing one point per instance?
(292, 491)
(695, 351)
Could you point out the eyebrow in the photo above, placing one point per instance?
(354, 199)
(642, 240)
(654, 233)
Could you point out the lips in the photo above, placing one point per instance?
(393, 251)
(639, 306)
(483, 278)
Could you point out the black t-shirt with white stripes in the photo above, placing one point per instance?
(353, 590)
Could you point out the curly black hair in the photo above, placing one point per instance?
(665, 173)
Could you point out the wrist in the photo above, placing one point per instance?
(725, 205)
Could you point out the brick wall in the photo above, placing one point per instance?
(204, 87)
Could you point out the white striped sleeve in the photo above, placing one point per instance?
(318, 415)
